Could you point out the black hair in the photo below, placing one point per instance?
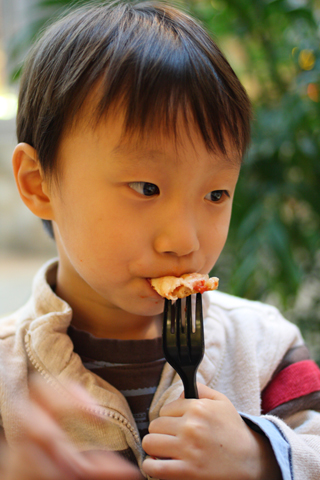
(149, 57)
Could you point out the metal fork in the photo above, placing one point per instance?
(183, 346)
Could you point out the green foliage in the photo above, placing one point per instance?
(273, 250)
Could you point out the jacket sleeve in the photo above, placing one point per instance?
(291, 402)
(302, 432)
(279, 445)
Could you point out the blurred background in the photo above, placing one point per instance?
(273, 250)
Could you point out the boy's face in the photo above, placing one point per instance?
(127, 210)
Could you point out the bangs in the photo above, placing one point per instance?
(149, 59)
(156, 68)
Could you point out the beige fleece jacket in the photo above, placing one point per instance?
(245, 342)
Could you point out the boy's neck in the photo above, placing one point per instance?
(146, 328)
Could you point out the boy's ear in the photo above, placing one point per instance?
(32, 187)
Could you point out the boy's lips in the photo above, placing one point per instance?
(152, 289)
(172, 274)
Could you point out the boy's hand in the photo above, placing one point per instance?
(206, 439)
(46, 453)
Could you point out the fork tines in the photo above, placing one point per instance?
(183, 342)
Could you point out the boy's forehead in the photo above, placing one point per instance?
(155, 149)
(186, 144)
(152, 143)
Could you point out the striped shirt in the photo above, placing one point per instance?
(132, 366)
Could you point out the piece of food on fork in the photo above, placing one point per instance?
(172, 288)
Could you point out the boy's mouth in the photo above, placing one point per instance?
(172, 274)
(151, 287)
(172, 287)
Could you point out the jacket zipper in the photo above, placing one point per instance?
(105, 412)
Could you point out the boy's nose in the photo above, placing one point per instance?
(178, 236)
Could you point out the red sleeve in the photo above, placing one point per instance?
(295, 381)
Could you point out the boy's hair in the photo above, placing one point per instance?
(148, 57)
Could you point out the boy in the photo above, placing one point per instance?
(132, 126)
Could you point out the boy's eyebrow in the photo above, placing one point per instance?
(136, 153)
(125, 153)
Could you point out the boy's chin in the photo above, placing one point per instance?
(147, 307)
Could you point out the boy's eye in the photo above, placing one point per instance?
(216, 195)
(145, 188)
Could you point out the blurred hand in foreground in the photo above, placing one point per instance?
(45, 451)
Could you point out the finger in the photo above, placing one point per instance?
(177, 408)
(108, 465)
(180, 407)
(30, 462)
(47, 454)
(42, 450)
(165, 469)
(37, 425)
(47, 448)
(161, 446)
(42, 436)
(165, 425)
(51, 406)
(71, 397)
(206, 392)
(4, 454)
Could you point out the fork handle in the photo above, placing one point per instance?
(191, 391)
(190, 384)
